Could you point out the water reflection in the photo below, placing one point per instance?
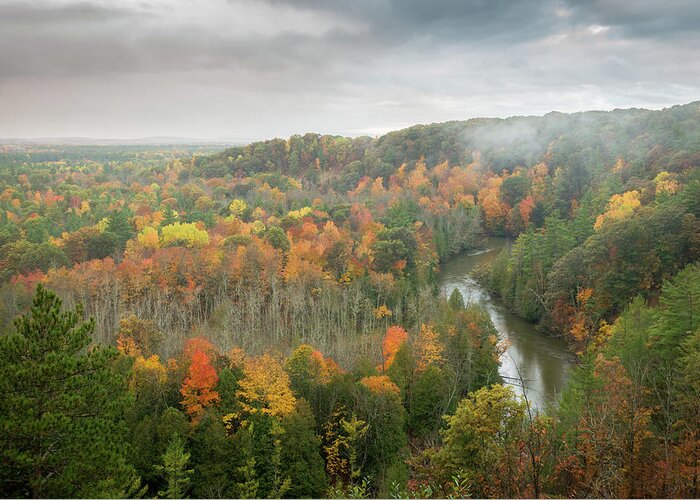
(541, 361)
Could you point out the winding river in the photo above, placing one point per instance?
(543, 361)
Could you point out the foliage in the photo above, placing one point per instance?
(265, 387)
(185, 234)
(332, 242)
(394, 338)
(62, 408)
(481, 437)
(198, 388)
(174, 470)
(300, 457)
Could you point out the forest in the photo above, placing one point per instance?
(264, 320)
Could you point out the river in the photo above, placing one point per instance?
(544, 362)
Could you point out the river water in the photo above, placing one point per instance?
(543, 362)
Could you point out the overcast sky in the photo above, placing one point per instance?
(251, 69)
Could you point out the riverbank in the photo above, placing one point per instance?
(542, 362)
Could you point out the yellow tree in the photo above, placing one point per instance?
(265, 387)
(148, 238)
(237, 207)
(184, 234)
(620, 206)
(430, 349)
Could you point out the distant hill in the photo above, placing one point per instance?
(581, 143)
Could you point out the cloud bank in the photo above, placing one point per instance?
(249, 69)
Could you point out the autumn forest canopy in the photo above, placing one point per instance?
(265, 320)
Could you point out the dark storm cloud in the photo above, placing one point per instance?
(263, 67)
(444, 21)
(87, 39)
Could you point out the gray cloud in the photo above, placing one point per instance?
(35, 14)
(642, 18)
(252, 69)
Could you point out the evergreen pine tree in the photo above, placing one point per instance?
(62, 405)
(679, 314)
(456, 300)
(174, 469)
(121, 228)
(301, 460)
(169, 216)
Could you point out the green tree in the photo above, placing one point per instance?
(387, 254)
(379, 404)
(174, 469)
(216, 458)
(429, 401)
(687, 398)
(277, 238)
(169, 216)
(679, 314)
(456, 300)
(22, 257)
(301, 460)
(62, 432)
(482, 436)
(402, 213)
(514, 188)
(102, 245)
(121, 228)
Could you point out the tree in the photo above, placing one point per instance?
(238, 207)
(148, 384)
(456, 300)
(138, 336)
(277, 238)
(169, 216)
(621, 206)
(687, 397)
(198, 389)
(309, 373)
(62, 405)
(23, 257)
(174, 469)
(342, 438)
(149, 238)
(430, 349)
(265, 387)
(402, 213)
(300, 458)
(183, 234)
(102, 245)
(379, 404)
(429, 400)
(151, 437)
(514, 188)
(387, 254)
(121, 228)
(306, 369)
(394, 338)
(217, 459)
(679, 314)
(482, 436)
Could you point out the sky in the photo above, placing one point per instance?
(251, 69)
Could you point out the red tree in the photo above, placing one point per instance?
(198, 389)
